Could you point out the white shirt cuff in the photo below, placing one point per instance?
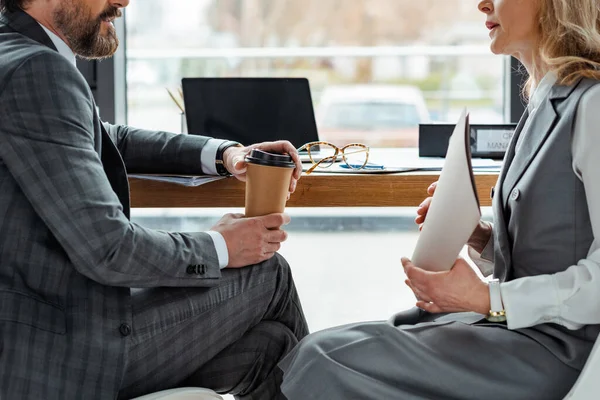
(531, 301)
(209, 156)
(220, 247)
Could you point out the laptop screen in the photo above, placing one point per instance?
(250, 110)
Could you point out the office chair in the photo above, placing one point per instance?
(587, 386)
(182, 394)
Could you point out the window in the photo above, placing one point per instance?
(370, 115)
(377, 68)
(404, 49)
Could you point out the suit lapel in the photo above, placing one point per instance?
(515, 164)
(508, 159)
(114, 168)
(501, 263)
(510, 153)
(541, 126)
(23, 23)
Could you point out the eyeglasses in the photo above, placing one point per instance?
(324, 154)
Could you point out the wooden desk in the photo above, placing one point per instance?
(315, 190)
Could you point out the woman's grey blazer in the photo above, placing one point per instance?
(542, 220)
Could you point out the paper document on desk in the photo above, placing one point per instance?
(454, 211)
(185, 180)
(437, 163)
(416, 163)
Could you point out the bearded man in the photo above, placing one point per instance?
(216, 309)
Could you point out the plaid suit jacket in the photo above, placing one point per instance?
(68, 252)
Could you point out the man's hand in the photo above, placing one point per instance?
(234, 159)
(480, 236)
(457, 290)
(251, 240)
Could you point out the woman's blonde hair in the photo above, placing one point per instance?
(570, 39)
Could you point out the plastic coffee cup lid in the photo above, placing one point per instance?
(269, 159)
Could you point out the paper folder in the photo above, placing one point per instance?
(454, 211)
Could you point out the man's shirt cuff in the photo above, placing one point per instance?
(208, 157)
(220, 247)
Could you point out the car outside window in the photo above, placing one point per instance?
(371, 116)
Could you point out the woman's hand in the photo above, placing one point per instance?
(480, 236)
(457, 290)
(234, 159)
(424, 207)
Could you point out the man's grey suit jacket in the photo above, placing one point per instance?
(68, 252)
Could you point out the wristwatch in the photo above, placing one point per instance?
(219, 163)
(497, 312)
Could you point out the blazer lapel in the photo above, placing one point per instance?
(510, 153)
(539, 129)
(502, 255)
(23, 23)
(114, 168)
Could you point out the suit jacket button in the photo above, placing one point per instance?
(515, 194)
(191, 269)
(125, 330)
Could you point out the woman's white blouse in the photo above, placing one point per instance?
(570, 298)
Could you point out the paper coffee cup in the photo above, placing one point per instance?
(267, 182)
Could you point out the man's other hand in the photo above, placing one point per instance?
(234, 159)
(251, 240)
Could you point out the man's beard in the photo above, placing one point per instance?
(83, 32)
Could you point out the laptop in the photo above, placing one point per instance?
(251, 110)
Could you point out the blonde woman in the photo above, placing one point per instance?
(543, 249)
